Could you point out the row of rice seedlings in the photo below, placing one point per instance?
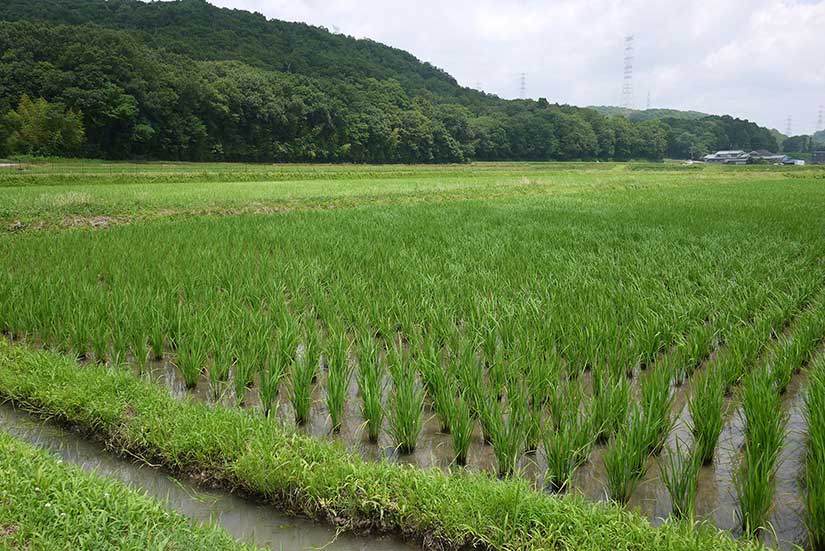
(370, 378)
(706, 413)
(765, 424)
(405, 408)
(657, 403)
(569, 435)
(625, 460)
(791, 353)
(745, 342)
(814, 477)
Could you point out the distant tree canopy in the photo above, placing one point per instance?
(37, 127)
(185, 80)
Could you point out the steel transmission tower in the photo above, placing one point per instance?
(627, 83)
(523, 85)
(819, 125)
(789, 126)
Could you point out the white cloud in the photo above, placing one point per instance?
(760, 59)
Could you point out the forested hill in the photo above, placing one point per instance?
(187, 80)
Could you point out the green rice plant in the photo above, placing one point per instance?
(506, 428)
(657, 403)
(437, 385)
(680, 475)
(625, 460)
(706, 413)
(765, 425)
(371, 386)
(140, 351)
(405, 408)
(245, 368)
(271, 377)
(303, 372)
(100, 342)
(156, 339)
(191, 358)
(610, 405)
(567, 444)
(461, 428)
(338, 379)
(814, 477)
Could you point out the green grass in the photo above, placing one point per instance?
(322, 480)
(47, 504)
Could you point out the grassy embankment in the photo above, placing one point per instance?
(47, 504)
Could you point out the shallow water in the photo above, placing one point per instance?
(246, 520)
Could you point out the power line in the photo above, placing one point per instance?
(627, 82)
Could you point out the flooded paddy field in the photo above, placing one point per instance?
(642, 338)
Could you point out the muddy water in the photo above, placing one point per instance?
(247, 521)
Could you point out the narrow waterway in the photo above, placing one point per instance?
(246, 520)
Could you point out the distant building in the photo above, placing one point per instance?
(734, 157)
(765, 156)
(818, 158)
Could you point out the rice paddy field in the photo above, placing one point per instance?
(507, 356)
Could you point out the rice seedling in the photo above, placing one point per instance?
(765, 425)
(371, 386)
(405, 408)
(706, 414)
(303, 372)
(338, 379)
(191, 359)
(461, 428)
(610, 405)
(814, 476)
(246, 367)
(625, 460)
(506, 428)
(568, 442)
(657, 403)
(680, 475)
(271, 377)
(437, 385)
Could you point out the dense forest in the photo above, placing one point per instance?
(185, 80)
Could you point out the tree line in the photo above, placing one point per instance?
(89, 90)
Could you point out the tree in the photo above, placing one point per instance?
(38, 127)
(797, 144)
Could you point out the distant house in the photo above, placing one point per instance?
(818, 158)
(765, 156)
(734, 157)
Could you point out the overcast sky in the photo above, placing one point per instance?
(759, 59)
